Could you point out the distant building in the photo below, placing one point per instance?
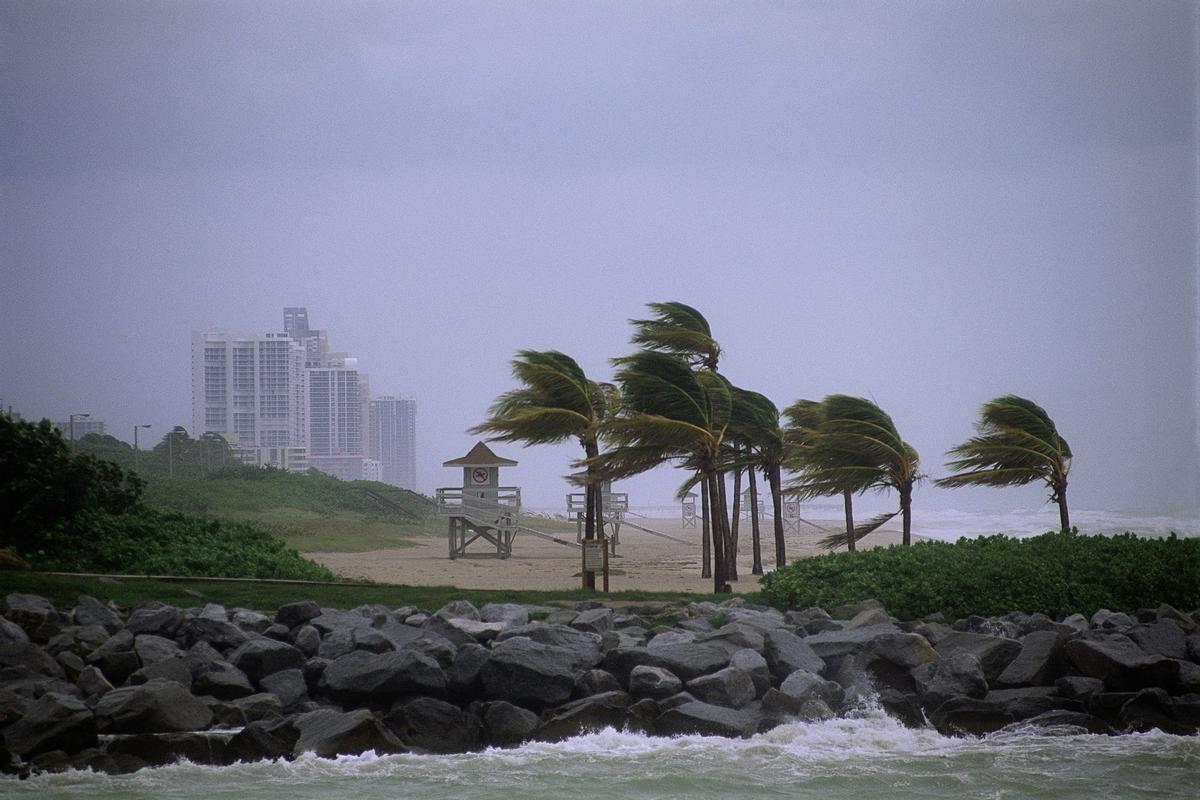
(335, 423)
(83, 426)
(347, 468)
(372, 470)
(392, 439)
(250, 387)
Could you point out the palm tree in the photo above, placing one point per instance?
(1016, 443)
(856, 447)
(755, 423)
(679, 330)
(556, 402)
(670, 413)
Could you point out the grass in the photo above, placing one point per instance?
(64, 590)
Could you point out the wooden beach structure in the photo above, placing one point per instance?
(688, 507)
(615, 506)
(481, 510)
(791, 516)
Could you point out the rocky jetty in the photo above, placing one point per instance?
(109, 689)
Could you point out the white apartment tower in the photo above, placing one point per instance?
(250, 387)
(392, 439)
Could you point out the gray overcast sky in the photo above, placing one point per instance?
(929, 204)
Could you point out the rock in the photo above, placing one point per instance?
(161, 749)
(1111, 619)
(528, 673)
(510, 614)
(92, 682)
(1070, 723)
(458, 609)
(786, 652)
(462, 676)
(70, 663)
(685, 660)
(1078, 687)
(761, 618)
(363, 676)
(970, 715)
(90, 611)
(1039, 662)
(851, 610)
(434, 726)
(1120, 663)
(958, 675)
(1077, 621)
(994, 653)
(755, 666)
(371, 640)
(31, 657)
(904, 650)
(706, 719)
(218, 678)
(506, 725)
(835, 644)
(219, 633)
(28, 611)
(151, 648)
(250, 621)
(156, 618)
(595, 681)
(291, 615)
(986, 626)
(12, 633)
(329, 733)
(587, 715)
(734, 636)
(596, 620)
(170, 669)
(671, 636)
(52, 722)
(260, 657)
(731, 687)
(155, 707)
(479, 631)
(869, 616)
(244, 710)
(1186, 623)
(780, 708)
(307, 640)
(655, 682)
(904, 707)
(268, 739)
(288, 685)
(582, 647)
(933, 632)
(1150, 709)
(1163, 638)
(802, 685)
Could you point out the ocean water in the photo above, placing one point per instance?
(860, 757)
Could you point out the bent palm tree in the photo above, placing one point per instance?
(755, 422)
(669, 413)
(1016, 444)
(803, 419)
(856, 447)
(678, 330)
(556, 402)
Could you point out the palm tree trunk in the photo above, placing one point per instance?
(1064, 517)
(735, 515)
(720, 533)
(849, 503)
(756, 567)
(589, 514)
(706, 531)
(775, 478)
(906, 509)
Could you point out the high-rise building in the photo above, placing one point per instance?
(335, 423)
(392, 439)
(81, 427)
(250, 387)
(315, 342)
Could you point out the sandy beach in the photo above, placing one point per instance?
(643, 561)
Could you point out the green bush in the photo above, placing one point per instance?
(1056, 573)
(151, 542)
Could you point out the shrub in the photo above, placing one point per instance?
(1056, 573)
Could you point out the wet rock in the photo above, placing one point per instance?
(151, 648)
(802, 685)
(528, 673)
(1040, 661)
(506, 725)
(581, 647)
(291, 615)
(587, 715)
(731, 687)
(31, 657)
(755, 666)
(90, 611)
(1163, 638)
(268, 739)
(706, 719)
(170, 669)
(958, 675)
(330, 733)
(786, 652)
(156, 707)
(92, 682)
(1078, 687)
(994, 653)
(595, 681)
(434, 726)
(685, 660)
(1120, 663)
(288, 685)
(52, 722)
(260, 657)
(155, 618)
(836, 644)
(363, 676)
(904, 650)
(655, 682)
(161, 749)
(510, 615)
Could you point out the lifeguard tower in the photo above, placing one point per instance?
(689, 510)
(481, 509)
(615, 506)
(791, 516)
(747, 505)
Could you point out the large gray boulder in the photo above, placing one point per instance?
(528, 673)
(292, 614)
(804, 685)
(158, 706)
(288, 685)
(581, 647)
(731, 687)
(587, 715)
(268, 739)
(30, 657)
(510, 614)
(734, 636)
(218, 632)
(656, 682)
(957, 675)
(260, 657)
(52, 722)
(695, 717)
(755, 666)
(993, 652)
(1039, 662)
(903, 650)
(839, 643)
(151, 649)
(12, 633)
(90, 611)
(594, 620)
(462, 675)
(594, 681)
(1120, 663)
(29, 611)
(361, 675)
(1162, 638)
(217, 677)
(434, 726)
(786, 652)
(330, 733)
(156, 618)
(686, 660)
(506, 725)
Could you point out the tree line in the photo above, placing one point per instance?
(668, 404)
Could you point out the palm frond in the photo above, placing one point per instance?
(842, 538)
(680, 330)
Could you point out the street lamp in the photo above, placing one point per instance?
(71, 423)
(136, 452)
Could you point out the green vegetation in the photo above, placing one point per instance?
(65, 510)
(1016, 444)
(64, 591)
(1056, 573)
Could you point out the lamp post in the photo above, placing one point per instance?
(136, 452)
(71, 423)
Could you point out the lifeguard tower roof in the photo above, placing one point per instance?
(480, 456)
